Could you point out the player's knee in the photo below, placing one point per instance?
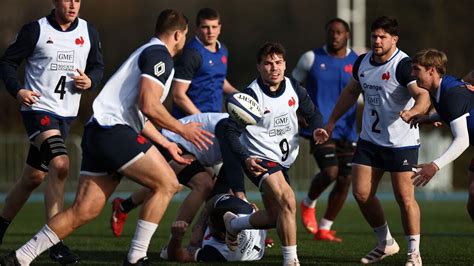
(51, 148)
(83, 213)
(343, 184)
(33, 179)
(361, 197)
(288, 202)
(330, 173)
(60, 165)
(404, 200)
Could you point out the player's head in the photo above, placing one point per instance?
(337, 34)
(172, 27)
(216, 222)
(428, 66)
(271, 63)
(66, 11)
(384, 35)
(208, 26)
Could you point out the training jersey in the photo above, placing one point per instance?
(275, 137)
(251, 241)
(384, 87)
(52, 59)
(453, 100)
(206, 72)
(117, 103)
(326, 77)
(212, 155)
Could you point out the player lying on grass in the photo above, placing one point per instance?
(453, 100)
(214, 249)
(195, 176)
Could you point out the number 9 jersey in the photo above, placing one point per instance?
(53, 62)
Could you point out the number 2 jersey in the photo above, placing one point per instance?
(52, 59)
(384, 87)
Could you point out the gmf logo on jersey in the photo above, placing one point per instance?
(159, 69)
(224, 60)
(348, 68)
(386, 76)
(291, 102)
(80, 41)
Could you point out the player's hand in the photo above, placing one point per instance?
(176, 152)
(407, 115)
(419, 119)
(27, 97)
(193, 133)
(329, 129)
(178, 229)
(82, 82)
(320, 135)
(252, 165)
(424, 174)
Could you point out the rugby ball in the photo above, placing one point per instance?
(243, 108)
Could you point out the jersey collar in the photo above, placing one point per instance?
(52, 20)
(267, 90)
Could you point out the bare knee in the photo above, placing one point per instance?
(60, 165)
(83, 213)
(330, 173)
(32, 180)
(362, 197)
(288, 202)
(343, 183)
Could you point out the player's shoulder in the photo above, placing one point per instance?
(157, 52)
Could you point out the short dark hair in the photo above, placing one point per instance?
(334, 20)
(431, 58)
(170, 20)
(270, 48)
(207, 13)
(388, 23)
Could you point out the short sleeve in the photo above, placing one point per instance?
(355, 69)
(187, 65)
(156, 62)
(403, 72)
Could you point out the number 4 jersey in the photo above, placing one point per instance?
(385, 94)
(50, 67)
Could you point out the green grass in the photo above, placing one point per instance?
(447, 237)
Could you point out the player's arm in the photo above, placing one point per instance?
(228, 88)
(186, 67)
(303, 66)
(11, 60)
(151, 91)
(469, 77)
(90, 77)
(346, 100)
(201, 224)
(311, 114)
(175, 250)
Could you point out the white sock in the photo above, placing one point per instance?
(241, 223)
(413, 243)
(140, 241)
(289, 254)
(382, 233)
(309, 202)
(43, 240)
(325, 224)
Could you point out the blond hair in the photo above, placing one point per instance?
(432, 58)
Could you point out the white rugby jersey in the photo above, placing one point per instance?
(384, 98)
(251, 245)
(208, 157)
(275, 137)
(50, 67)
(118, 102)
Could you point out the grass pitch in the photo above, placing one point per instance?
(447, 237)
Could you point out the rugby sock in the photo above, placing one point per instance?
(383, 234)
(241, 223)
(141, 239)
(289, 255)
(43, 240)
(413, 243)
(325, 224)
(309, 202)
(127, 205)
(3, 228)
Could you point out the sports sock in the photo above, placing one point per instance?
(141, 239)
(127, 205)
(43, 240)
(325, 224)
(413, 243)
(289, 254)
(309, 202)
(3, 228)
(383, 234)
(241, 223)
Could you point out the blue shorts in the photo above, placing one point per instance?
(388, 159)
(272, 167)
(107, 150)
(39, 122)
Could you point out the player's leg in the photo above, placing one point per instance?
(325, 156)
